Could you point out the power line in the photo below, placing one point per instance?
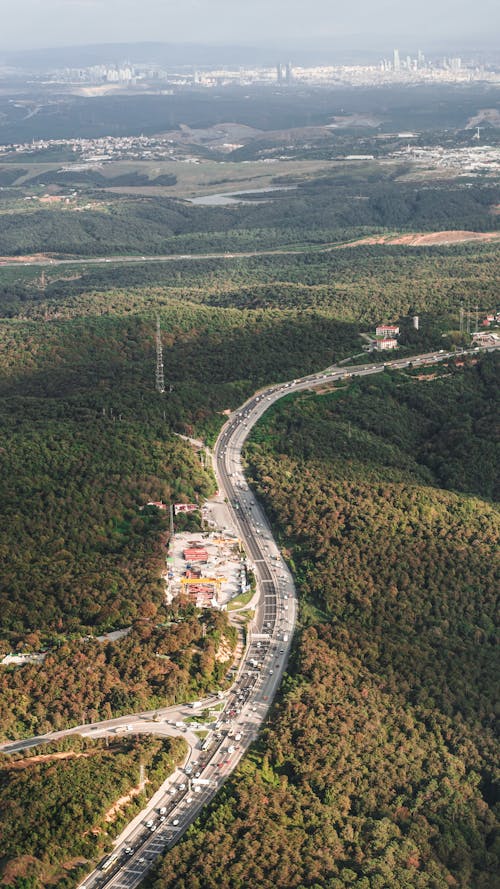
(160, 378)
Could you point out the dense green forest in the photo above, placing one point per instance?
(86, 442)
(335, 207)
(363, 284)
(56, 804)
(376, 769)
(170, 654)
(78, 550)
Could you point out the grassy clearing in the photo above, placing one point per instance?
(241, 600)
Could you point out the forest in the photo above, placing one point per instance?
(435, 107)
(330, 208)
(362, 284)
(167, 656)
(87, 442)
(57, 803)
(376, 768)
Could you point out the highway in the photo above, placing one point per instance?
(121, 259)
(245, 706)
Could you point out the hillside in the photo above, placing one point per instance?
(86, 443)
(377, 767)
(341, 205)
(362, 285)
(62, 804)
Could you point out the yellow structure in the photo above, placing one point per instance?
(213, 581)
(222, 541)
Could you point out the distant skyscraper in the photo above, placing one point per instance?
(397, 63)
(288, 73)
(279, 73)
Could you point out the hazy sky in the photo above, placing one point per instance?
(30, 23)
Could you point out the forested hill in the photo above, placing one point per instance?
(330, 208)
(376, 770)
(86, 443)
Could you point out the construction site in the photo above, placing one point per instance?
(209, 568)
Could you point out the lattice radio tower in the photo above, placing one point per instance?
(160, 378)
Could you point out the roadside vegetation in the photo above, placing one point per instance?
(377, 768)
(86, 443)
(62, 804)
(175, 654)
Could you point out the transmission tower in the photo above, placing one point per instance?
(160, 379)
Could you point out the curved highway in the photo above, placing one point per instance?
(180, 799)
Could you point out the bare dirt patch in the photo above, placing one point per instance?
(48, 757)
(427, 239)
(224, 652)
(120, 803)
(22, 260)
(484, 116)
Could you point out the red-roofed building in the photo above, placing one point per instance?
(386, 343)
(195, 554)
(387, 330)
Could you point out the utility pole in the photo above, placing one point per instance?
(160, 379)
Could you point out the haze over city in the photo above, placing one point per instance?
(29, 24)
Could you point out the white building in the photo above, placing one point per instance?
(386, 343)
(390, 330)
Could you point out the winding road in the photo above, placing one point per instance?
(245, 706)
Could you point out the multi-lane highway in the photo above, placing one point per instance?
(179, 801)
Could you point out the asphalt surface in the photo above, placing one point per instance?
(178, 802)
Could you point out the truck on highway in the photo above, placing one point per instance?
(195, 705)
(108, 862)
(120, 729)
(201, 782)
(285, 637)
